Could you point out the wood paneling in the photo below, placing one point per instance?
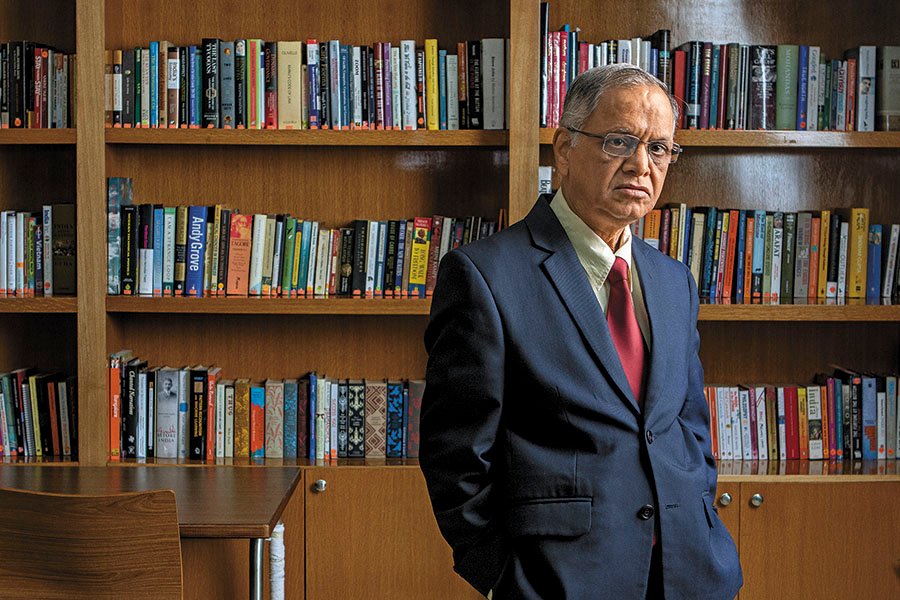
(44, 341)
(48, 22)
(31, 176)
(820, 540)
(278, 346)
(372, 534)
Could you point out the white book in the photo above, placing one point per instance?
(636, 58)
(820, 104)
(762, 430)
(893, 443)
(592, 56)
(20, 253)
(814, 420)
(168, 251)
(408, 81)
(184, 377)
(220, 418)
(4, 234)
(682, 230)
(842, 262)
(603, 54)
(646, 46)
(396, 91)
(257, 250)
(865, 89)
(334, 71)
(723, 410)
(11, 247)
(323, 263)
(229, 419)
(623, 50)
(890, 261)
(492, 82)
(333, 421)
(881, 424)
(321, 419)
(371, 257)
(145, 86)
(812, 86)
(545, 179)
(141, 409)
(62, 396)
(47, 243)
(172, 87)
(452, 91)
(446, 237)
(380, 252)
(356, 67)
(737, 447)
(746, 432)
(313, 255)
(782, 431)
(290, 57)
(777, 242)
(167, 413)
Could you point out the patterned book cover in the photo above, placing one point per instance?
(414, 410)
(394, 441)
(302, 417)
(242, 418)
(167, 413)
(290, 418)
(418, 266)
(274, 431)
(376, 418)
(239, 240)
(356, 419)
(257, 420)
(342, 419)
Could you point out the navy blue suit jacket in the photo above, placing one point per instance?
(537, 457)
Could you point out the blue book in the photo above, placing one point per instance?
(442, 89)
(311, 413)
(714, 86)
(654, 62)
(290, 418)
(154, 84)
(194, 87)
(342, 417)
(226, 83)
(740, 256)
(345, 86)
(869, 406)
(196, 252)
(686, 237)
(334, 75)
(708, 249)
(802, 89)
(401, 250)
(312, 74)
(257, 398)
(394, 425)
(157, 249)
(873, 264)
(304, 257)
(759, 252)
(405, 418)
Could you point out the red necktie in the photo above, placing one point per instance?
(624, 328)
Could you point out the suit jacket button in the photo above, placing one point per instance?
(646, 512)
(649, 436)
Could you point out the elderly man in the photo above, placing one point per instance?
(565, 435)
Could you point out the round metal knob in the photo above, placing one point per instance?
(320, 485)
(725, 499)
(756, 500)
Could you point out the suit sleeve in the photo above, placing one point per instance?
(460, 419)
(695, 412)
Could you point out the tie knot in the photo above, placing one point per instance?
(619, 271)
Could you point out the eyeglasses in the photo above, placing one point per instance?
(622, 145)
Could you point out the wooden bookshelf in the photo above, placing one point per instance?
(270, 306)
(799, 312)
(18, 137)
(56, 304)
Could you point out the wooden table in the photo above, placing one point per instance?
(212, 502)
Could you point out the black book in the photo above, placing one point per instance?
(198, 413)
(834, 249)
(324, 87)
(788, 255)
(695, 56)
(210, 97)
(184, 87)
(661, 41)
(370, 85)
(42, 400)
(346, 261)
(240, 82)
(4, 85)
(128, 83)
(222, 271)
(390, 258)
(129, 409)
(343, 418)
(129, 225)
(358, 276)
(420, 92)
(545, 18)
(270, 78)
(28, 81)
(71, 385)
(150, 412)
(356, 419)
(473, 85)
(364, 83)
(17, 82)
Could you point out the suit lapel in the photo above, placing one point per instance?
(567, 275)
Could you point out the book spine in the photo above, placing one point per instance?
(195, 251)
(270, 77)
(211, 84)
(227, 89)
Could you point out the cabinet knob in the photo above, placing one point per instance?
(725, 499)
(756, 500)
(320, 485)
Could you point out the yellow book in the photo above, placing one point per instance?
(803, 422)
(431, 84)
(825, 227)
(418, 261)
(675, 232)
(857, 251)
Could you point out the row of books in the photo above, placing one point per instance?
(37, 252)
(36, 84)
(195, 413)
(256, 84)
(198, 251)
(807, 467)
(846, 415)
(38, 414)
(789, 86)
(757, 256)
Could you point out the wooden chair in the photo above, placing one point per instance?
(75, 546)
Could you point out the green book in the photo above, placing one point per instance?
(287, 269)
(787, 59)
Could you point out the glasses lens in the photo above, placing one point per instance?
(618, 144)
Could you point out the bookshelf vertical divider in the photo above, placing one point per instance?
(524, 147)
(91, 231)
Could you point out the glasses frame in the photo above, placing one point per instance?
(674, 153)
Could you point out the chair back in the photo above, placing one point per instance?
(79, 546)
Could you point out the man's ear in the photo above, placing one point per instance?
(562, 145)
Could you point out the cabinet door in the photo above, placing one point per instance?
(371, 534)
(824, 539)
(728, 504)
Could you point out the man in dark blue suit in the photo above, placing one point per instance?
(565, 436)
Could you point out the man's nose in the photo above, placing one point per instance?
(639, 162)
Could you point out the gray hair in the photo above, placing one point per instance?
(586, 90)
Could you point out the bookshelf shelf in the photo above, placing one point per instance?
(269, 306)
(799, 312)
(37, 136)
(693, 138)
(51, 461)
(67, 304)
(319, 137)
(410, 463)
(739, 471)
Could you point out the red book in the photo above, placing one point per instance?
(679, 74)
(705, 79)
(728, 278)
(54, 417)
(792, 421)
(211, 381)
(582, 57)
(552, 78)
(563, 72)
(835, 446)
(240, 240)
(665, 229)
(257, 420)
(748, 259)
(434, 253)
